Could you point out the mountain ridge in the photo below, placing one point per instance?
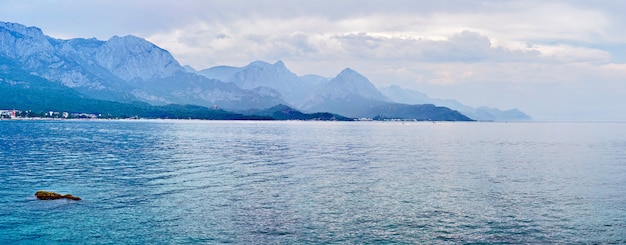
(293, 89)
(129, 68)
(482, 113)
(119, 69)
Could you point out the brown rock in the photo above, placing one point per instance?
(48, 195)
(68, 196)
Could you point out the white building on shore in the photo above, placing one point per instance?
(9, 113)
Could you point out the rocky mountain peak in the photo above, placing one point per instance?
(260, 73)
(280, 65)
(350, 81)
(258, 63)
(21, 42)
(131, 57)
(349, 75)
(32, 32)
(348, 71)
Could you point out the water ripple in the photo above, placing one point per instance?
(313, 182)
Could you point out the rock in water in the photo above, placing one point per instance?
(48, 195)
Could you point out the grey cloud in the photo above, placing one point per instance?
(472, 47)
(296, 45)
(105, 18)
(462, 47)
(330, 9)
(362, 40)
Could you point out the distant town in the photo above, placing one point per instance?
(18, 114)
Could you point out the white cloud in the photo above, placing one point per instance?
(563, 53)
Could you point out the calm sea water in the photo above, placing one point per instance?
(199, 182)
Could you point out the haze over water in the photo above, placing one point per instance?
(313, 182)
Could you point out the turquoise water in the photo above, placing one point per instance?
(207, 182)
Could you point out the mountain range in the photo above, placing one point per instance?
(130, 70)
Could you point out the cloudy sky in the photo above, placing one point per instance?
(554, 59)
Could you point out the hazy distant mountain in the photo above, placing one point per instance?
(347, 83)
(292, 88)
(407, 96)
(349, 94)
(495, 114)
(222, 73)
(189, 88)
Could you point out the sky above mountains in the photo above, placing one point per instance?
(555, 60)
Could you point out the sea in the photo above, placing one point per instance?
(310, 182)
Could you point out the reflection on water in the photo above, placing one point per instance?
(313, 182)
